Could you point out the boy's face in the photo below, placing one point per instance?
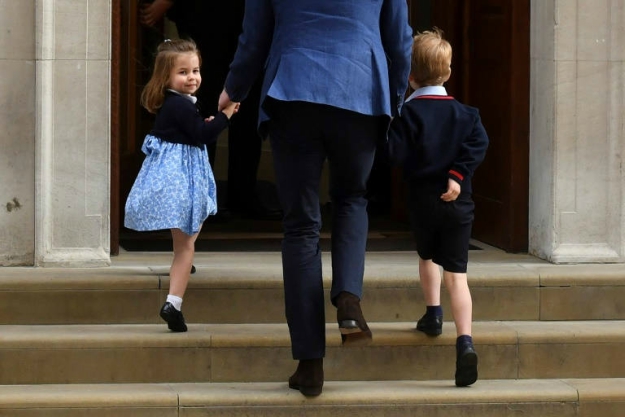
(185, 75)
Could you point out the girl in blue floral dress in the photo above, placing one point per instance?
(175, 188)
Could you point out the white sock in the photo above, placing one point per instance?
(175, 301)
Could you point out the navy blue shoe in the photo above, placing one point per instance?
(466, 365)
(430, 325)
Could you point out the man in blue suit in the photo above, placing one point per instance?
(335, 73)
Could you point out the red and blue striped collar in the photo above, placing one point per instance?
(435, 92)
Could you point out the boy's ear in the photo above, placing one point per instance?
(448, 76)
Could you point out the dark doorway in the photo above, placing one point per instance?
(490, 71)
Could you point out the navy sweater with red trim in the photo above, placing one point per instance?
(436, 138)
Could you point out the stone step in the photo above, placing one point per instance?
(247, 288)
(51, 354)
(488, 398)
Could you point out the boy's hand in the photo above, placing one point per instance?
(453, 191)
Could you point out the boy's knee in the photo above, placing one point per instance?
(454, 278)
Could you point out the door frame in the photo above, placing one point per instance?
(115, 125)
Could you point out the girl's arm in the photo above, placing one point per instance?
(193, 125)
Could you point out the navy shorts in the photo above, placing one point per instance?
(442, 229)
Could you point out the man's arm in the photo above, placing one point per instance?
(397, 41)
(252, 50)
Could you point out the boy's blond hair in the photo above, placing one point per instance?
(431, 58)
(153, 93)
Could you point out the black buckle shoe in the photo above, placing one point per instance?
(173, 317)
(466, 365)
(430, 325)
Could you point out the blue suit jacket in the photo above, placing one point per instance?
(350, 54)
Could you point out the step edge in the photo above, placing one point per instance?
(343, 393)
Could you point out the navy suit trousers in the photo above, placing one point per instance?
(303, 135)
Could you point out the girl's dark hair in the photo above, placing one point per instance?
(153, 93)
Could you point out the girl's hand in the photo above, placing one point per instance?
(453, 191)
(230, 109)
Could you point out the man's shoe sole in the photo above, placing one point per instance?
(307, 391)
(353, 335)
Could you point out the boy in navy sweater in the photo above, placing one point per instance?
(439, 142)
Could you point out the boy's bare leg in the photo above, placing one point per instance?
(430, 277)
(462, 310)
(461, 303)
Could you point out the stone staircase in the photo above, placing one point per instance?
(89, 342)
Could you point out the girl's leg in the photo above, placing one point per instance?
(184, 249)
(461, 303)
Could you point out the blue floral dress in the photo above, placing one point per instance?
(175, 188)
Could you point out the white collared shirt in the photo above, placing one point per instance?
(430, 90)
(190, 97)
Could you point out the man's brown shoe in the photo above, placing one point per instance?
(352, 324)
(308, 378)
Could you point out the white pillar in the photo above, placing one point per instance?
(577, 135)
(72, 148)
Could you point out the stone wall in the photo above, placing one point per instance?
(577, 135)
(73, 133)
(17, 132)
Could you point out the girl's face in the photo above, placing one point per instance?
(185, 76)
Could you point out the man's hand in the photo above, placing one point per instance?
(154, 12)
(224, 100)
(453, 191)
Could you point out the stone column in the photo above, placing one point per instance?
(72, 148)
(577, 135)
(17, 133)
